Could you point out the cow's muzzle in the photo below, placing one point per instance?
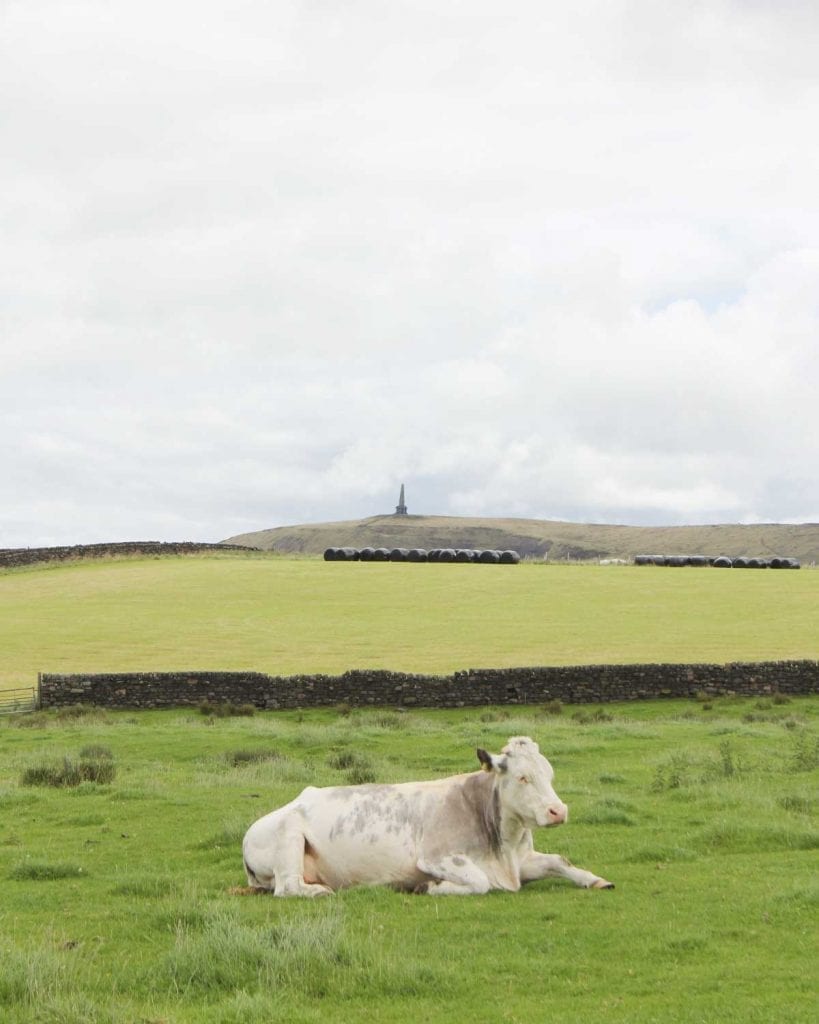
(557, 814)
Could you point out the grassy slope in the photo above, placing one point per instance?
(116, 907)
(286, 616)
(535, 537)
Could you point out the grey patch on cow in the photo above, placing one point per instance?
(458, 860)
(479, 797)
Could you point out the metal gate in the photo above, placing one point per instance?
(21, 698)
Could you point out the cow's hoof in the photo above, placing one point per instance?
(421, 889)
(601, 883)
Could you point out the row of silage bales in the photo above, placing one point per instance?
(718, 562)
(421, 555)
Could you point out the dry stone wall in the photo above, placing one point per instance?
(579, 684)
(28, 556)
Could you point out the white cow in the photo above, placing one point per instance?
(465, 834)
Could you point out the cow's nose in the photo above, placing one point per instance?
(557, 815)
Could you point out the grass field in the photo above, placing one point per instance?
(115, 895)
(286, 616)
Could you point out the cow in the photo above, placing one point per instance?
(465, 834)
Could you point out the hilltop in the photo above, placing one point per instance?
(541, 538)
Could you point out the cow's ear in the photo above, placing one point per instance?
(485, 759)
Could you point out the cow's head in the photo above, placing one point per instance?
(524, 779)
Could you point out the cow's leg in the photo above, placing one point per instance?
(453, 875)
(551, 865)
(287, 863)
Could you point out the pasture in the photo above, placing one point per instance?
(285, 616)
(116, 905)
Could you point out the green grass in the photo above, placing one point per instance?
(285, 616)
(117, 909)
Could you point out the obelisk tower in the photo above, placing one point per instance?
(401, 508)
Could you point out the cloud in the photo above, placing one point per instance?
(263, 263)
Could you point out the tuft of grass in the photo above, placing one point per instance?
(96, 752)
(608, 812)
(238, 758)
(592, 716)
(225, 709)
(81, 712)
(797, 804)
(227, 956)
(386, 720)
(144, 887)
(43, 871)
(804, 757)
(228, 837)
(67, 772)
(343, 760)
(551, 708)
(30, 977)
(674, 772)
(360, 775)
(661, 855)
(311, 955)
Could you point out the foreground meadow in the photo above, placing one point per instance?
(116, 894)
(289, 616)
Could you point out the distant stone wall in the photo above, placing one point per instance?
(28, 556)
(579, 684)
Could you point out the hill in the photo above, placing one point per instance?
(542, 538)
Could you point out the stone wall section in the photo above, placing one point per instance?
(581, 684)
(10, 557)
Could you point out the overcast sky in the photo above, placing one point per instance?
(262, 261)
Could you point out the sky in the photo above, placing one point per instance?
(263, 262)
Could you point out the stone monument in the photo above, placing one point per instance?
(401, 508)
